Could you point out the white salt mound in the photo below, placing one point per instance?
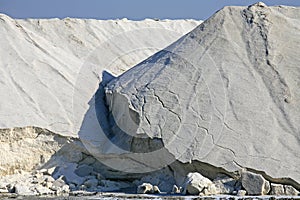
(51, 68)
(226, 94)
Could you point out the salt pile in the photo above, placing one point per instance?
(215, 112)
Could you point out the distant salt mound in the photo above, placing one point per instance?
(226, 94)
(51, 68)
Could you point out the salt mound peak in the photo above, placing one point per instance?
(226, 94)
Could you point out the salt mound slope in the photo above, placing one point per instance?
(226, 94)
(51, 68)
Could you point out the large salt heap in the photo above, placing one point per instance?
(216, 112)
(51, 68)
(225, 95)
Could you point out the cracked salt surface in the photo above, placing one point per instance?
(232, 105)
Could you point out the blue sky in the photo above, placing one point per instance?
(131, 9)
